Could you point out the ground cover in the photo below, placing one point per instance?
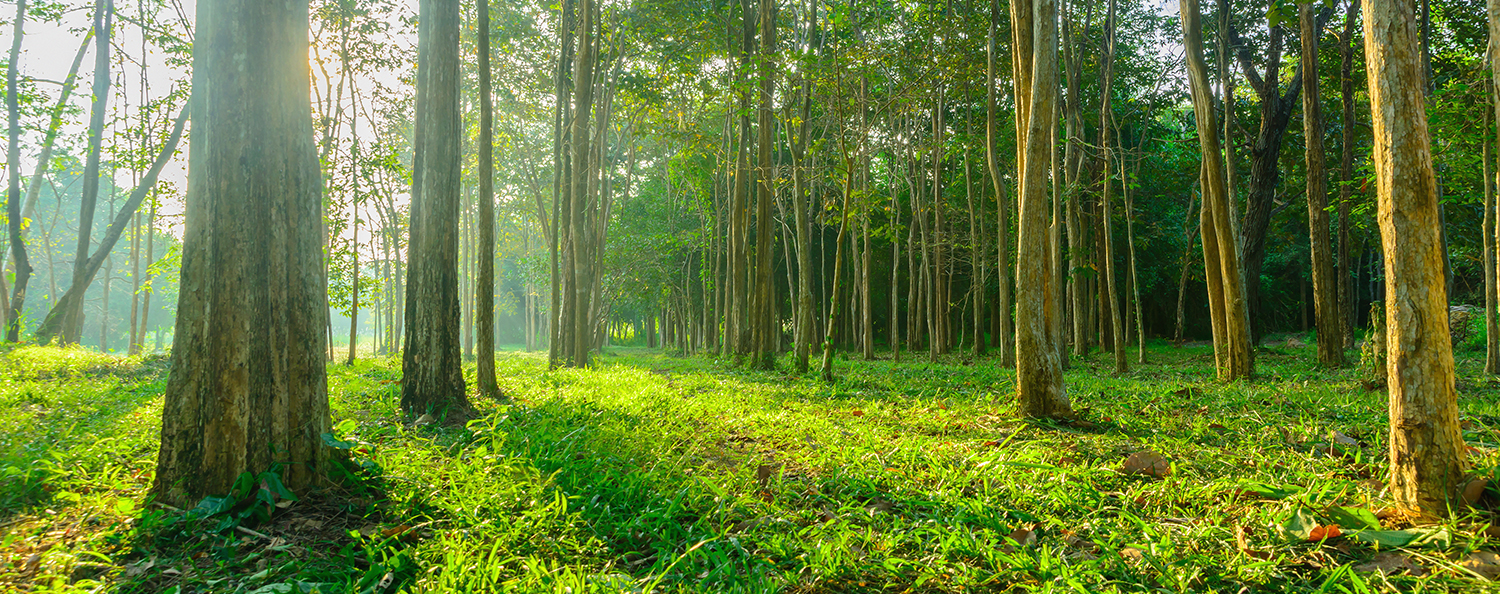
(687, 474)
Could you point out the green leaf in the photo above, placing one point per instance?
(1385, 538)
(1353, 518)
(1300, 524)
(1265, 491)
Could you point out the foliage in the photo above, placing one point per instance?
(680, 474)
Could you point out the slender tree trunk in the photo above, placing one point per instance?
(764, 329)
(1106, 116)
(1187, 260)
(248, 391)
(1426, 448)
(104, 10)
(70, 305)
(484, 298)
(1347, 295)
(1004, 341)
(13, 172)
(1325, 289)
(1039, 380)
(1491, 324)
(838, 265)
(1221, 262)
(432, 370)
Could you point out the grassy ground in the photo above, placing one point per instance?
(651, 472)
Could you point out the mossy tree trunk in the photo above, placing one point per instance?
(432, 378)
(247, 391)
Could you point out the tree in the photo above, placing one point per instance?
(1105, 127)
(1426, 448)
(1039, 385)
(13, 172)
(432, 380)
(1325, 288)
(248, 392)
(484, 297)
(764, 329)
(1003, 335)
(1233, 356)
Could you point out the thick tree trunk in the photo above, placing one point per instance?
(432, 370)
(1427, 451)
(1325, 290)
(1039, 380)
(248, 391)
(1232, 347)
(484, 297)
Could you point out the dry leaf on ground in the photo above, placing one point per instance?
(1483, 563)
(1147, 463)
(1474, 491)
(1390, 563)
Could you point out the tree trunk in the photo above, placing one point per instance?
(1325, 290)
(13, 172)
(1232, 346)
(1003, 339)
(1491, 324)
(763, 323)
(1347, 295)
(1427, 450)
(484, 298)
(70, 306)
(1111, 295)
(432, 370)
(71, 325)
(248, 391)
(1039, 380)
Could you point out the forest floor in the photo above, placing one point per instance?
(659, 473)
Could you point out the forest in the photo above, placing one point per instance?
(380, 296)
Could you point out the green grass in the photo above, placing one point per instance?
(650, 472)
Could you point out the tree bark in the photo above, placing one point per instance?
(1039, 381)
(13, 172)
(764, 328)
(1227, 303)
(1117, 327)
(71, 325)
(1325, 290)
(1426, 448)
(1491, 216)
(1346, 270)
(432, 379)
(484, 298)
(248, 391)
(1004, 340)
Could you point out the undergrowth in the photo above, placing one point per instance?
(650, 472)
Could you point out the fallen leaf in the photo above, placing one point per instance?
(858, 413)
(879, 505)
(396, 531)
(1474, 491)
(1391, 563)
(1483, 563)
(1339, 438)
(764, 472)
(1324, 532)
(425, 419)
(1148, 463)
(1133, 554)
(32, 562)
(1024, 535)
